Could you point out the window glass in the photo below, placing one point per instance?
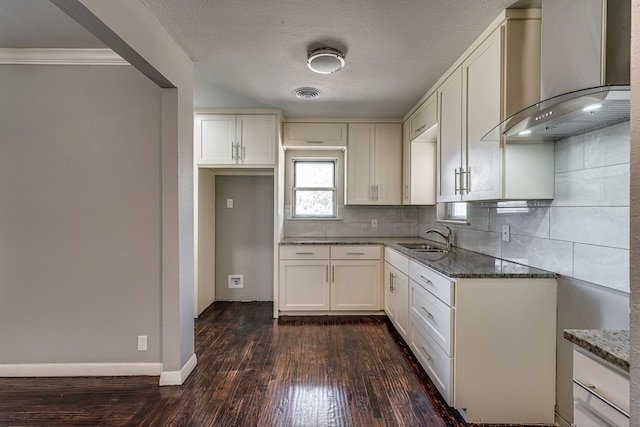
(314, 188)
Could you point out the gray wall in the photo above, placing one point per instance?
(80, 187)
(583, 234)
(244, 236)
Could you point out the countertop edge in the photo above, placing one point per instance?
(595, 342)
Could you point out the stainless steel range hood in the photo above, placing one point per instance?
(585, 69)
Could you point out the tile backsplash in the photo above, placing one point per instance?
(582, 233)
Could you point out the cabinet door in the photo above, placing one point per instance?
(389, 296)
(355, 285)
(216, 137)
(388, 164)
(450, 156)
(256, 135)
(424, 118)
(406, 163)
(401, 291)
(360, 160)
(313, 135)
(304, 285)
(482, 82)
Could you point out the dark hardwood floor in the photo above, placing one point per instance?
(252, 371)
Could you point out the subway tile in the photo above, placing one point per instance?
(346, 229)
(604, 186)
(603, 226)
(478, 218)
(387, 229)
(382, 214)
(531, 221)
(305, 228)
(551, 255)
(484, 242)
(348, 213)
(569, 154)
(608, 146)
(409, 214)
(426, 214)
(604, 266)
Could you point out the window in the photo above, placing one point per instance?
(452, 212)
(314, 188)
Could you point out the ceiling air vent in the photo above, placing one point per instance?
(307, 93)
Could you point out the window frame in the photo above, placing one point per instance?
(334, 189)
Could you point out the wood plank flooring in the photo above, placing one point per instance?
(252, 371)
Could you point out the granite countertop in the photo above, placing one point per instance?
(457, 263)
(611, 345)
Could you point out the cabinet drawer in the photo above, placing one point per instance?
(434, 360)
(440, 286)
(433, 315)
(608, 382)
(589, 410)
(355, 252)
(304, 252)
(397, 260)
(315, 135)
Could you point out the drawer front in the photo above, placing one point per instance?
(304, 252)
(356, 252)
(433, 315)
(440, 286)
(611, 384)
(437, 364)
(589, 410)
(397, 260)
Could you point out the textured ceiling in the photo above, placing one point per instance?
(252, 53)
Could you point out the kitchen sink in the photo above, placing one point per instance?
(422, 247)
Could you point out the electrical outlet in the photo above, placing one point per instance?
(506, 233)
(236, 281)
(229, 203)
(142, 343)
(374, 223)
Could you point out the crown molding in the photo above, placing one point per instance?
(36, 56)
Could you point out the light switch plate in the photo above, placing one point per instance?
(229, 203)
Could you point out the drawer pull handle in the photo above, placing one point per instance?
(424, 350)
(356, 253)
(426, 280)
(429, 315)
(421, 127)
(305, 253)
(591, 390)
(315, 142)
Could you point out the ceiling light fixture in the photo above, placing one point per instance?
(307, 93)
(325, 60)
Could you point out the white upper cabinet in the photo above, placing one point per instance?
(498, 77)
(419, 155)
(451, 155)
(235, 139)
(374, 164)
(315, 135)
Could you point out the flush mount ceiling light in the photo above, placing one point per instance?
(307, 93)
(325, 60)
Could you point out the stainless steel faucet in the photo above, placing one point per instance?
(448, 237)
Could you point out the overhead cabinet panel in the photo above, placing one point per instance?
(315, 135)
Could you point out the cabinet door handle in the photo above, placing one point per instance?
(462, 177)
(424, 350)
(244, 151)
(326, 274)
(333, 274)
(468, 176)
(421, 127)
(455, 181)
(376, 191)
(233, 150)
(392, 283)
(429, 282)
(406, 192)
(429, 315)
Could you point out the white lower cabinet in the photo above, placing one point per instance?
(600, 392)
(396, 290)
(488, 344)
(339, 278)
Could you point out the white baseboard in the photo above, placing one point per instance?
(79, 369)
(178, 377)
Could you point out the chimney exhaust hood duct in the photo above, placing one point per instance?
(585, 72)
